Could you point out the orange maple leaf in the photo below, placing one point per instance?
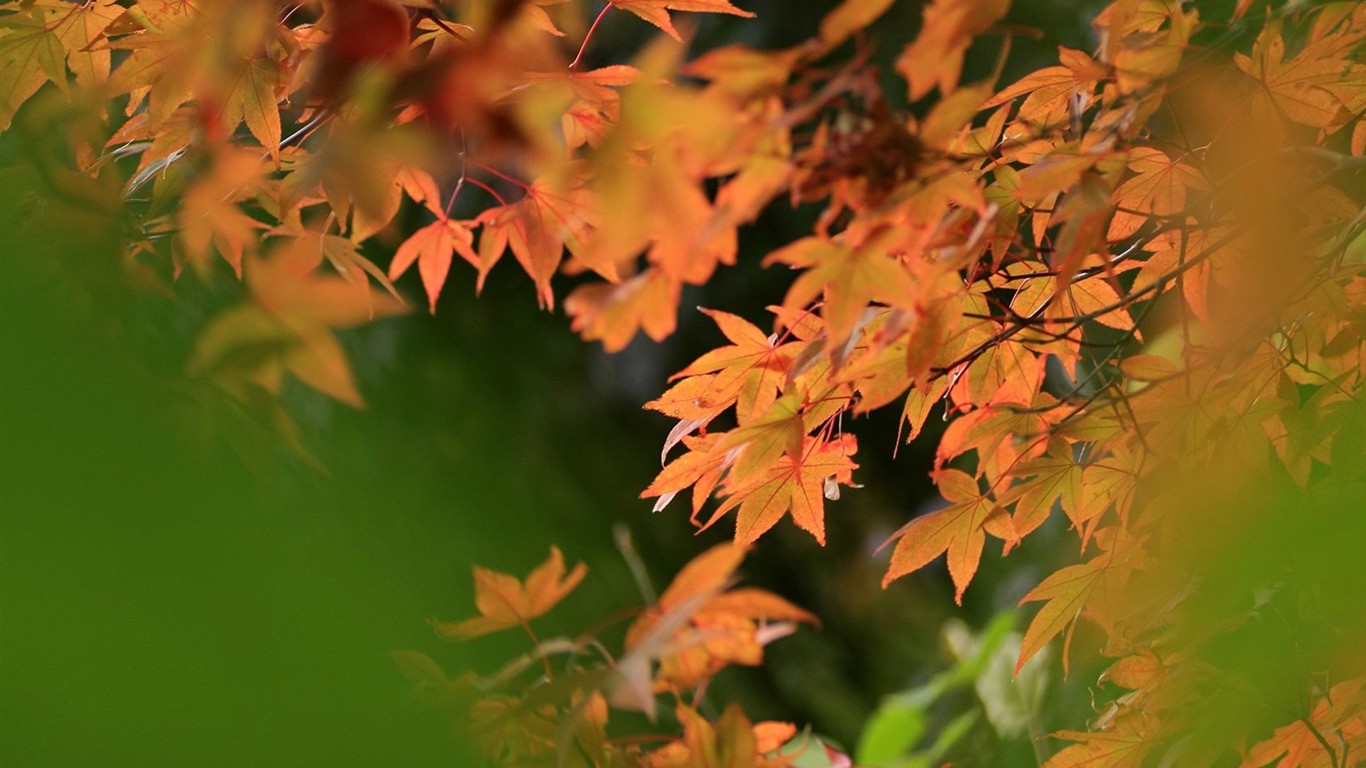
(850, 278)
(536, 229)
(1299, 744)
(613, 312)
(935, 57)
(1067, 592)
(731, 741)
(1124, 745)
(750, 371)
(709, 628)
(657, 11)
(958, 529)
(432, 248)
(797, 484)
(505, 602)
(763, 441)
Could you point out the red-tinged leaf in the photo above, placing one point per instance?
(1083, 214)
(210, 218)
(1052, 175)
(849, 17)
(762, 178)
(596, 87)
(952, 116)
(957, 530)
(935, 57)
(1049, 83)
(704, 627)
(1299, 86)
(771, 735)
(432, 248)
(794, 485)
(588, 123)
(613, 313)
(692, 399)
(537, 229)
(504, 601)
(614, 75)
(537, 17)
(657, 11)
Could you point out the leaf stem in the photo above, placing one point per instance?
(589, 36)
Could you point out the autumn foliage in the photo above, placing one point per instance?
(1133, 282)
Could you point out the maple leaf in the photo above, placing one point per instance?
(80, 30)
(732, 742)
(1158, 188)
(700, 468)
(696, 628)
(797, 485)
(657, 11)
(751, 371)
(743, 71)
(1124, 745)
(935, 57)
(1052, 478)
(30, 55)
(1300, 87)
(958, 529)
(1049, 91)
(415, 183)
(288, 326)
(536, 229)
(504, 601)
(612, 313)
(849, 17)
(762, 441)
(848, 277)
(432, 247)
(1069, 591)
(1298, 744)
(210, 217)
